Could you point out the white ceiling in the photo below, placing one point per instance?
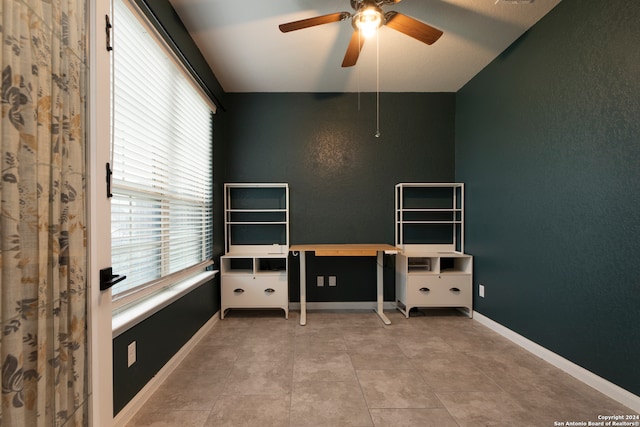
(247, 52)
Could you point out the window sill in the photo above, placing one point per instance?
(126, 317)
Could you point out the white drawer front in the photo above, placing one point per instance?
(254, 292)
(440, 290)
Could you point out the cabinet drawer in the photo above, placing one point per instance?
(450, 290)
(254, 292)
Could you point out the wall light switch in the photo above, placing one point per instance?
(481, 291)
(320, 280)
(332, 281)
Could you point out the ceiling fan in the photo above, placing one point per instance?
(366, 19)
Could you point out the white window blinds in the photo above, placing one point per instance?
(161, 210)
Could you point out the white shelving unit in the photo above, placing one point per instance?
(432, 270)
(254, 268)
(430, 215)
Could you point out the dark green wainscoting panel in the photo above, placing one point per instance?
(158, 338)
(548, 144)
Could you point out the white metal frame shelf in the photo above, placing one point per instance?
(455, 210)
(257, 212)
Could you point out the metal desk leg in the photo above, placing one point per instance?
(380, 280)
(303, 289)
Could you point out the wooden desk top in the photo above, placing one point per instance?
(347, 249)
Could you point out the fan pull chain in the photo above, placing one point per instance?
(377, 83)
(358, 70)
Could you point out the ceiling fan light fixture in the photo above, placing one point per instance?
(365, 20)
(368, 20)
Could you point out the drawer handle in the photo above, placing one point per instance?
(425, 290)
(455, 290)
(269, 290)
(238, 290)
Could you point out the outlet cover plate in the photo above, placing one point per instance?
(131, 354)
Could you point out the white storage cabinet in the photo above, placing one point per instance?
(254, 268)
(432, 270)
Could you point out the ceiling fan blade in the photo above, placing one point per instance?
(412, 27)
(353, 50)
(311, 22)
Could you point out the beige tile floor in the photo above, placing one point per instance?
(438, 368)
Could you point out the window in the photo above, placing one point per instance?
(162, 148)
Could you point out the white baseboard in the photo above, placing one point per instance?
(349, 305)
(604, 386)
(127, 413)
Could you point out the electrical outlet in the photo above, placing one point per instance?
(332, 281)
(481, 291)
(320, 281)
(131, 354)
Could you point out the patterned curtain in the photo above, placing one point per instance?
(43, 261)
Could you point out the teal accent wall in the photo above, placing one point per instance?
(341, 177)
(548, 144)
